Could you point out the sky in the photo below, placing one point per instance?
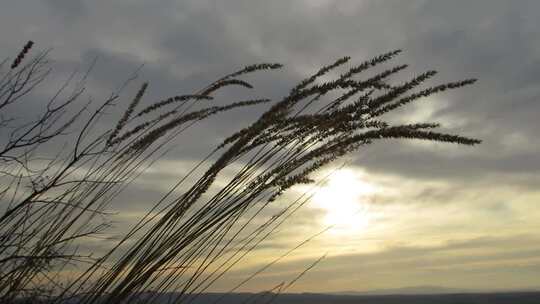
(410, 213)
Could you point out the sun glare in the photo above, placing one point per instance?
(343, 199)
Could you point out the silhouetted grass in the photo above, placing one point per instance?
(186, 242)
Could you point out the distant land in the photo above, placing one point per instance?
(428, 290)
(406, 295)
(402, 297)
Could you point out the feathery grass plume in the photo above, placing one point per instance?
(252, 68)
(424, 93)
(122, 122)
(226, 82)
(142, 126)
(321, 72)
(397, 91)
(414, 132)
(157, 133)
(375, 82)
(171, 100)
(370, 63)
(17, 61)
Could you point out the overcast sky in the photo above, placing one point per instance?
(431, 214)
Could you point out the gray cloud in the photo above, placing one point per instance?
(68, 11)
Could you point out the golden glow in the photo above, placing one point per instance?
(343, 198)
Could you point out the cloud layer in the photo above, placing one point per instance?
(447, 214)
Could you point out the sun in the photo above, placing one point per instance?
(343, 199)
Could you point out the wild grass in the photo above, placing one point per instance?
(191, 237)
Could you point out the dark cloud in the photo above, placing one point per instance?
(496, 43)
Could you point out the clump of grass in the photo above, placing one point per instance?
(297, 136)
(187, 241)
